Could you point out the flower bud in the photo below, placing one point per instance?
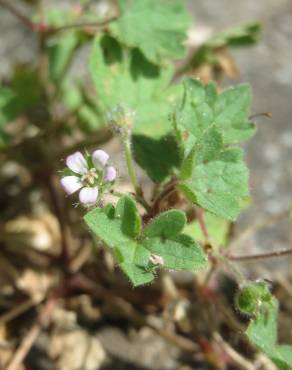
(121, 120)
(252, 296)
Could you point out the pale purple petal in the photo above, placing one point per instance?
(77, 163)
(88, 196)
(99, 158)
(110, 174)
(71, 184)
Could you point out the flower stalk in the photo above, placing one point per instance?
(121, 120)
(130, 164)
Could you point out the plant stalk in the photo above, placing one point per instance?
(253, 257)
(130, 164)
(132, 173)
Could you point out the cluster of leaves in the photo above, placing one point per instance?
(213, 174)
(210, 172)
(197, 144)
(127, 68)
(137, 249)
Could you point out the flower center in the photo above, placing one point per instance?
(89, 177)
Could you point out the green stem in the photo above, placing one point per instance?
(83, 25)
(132, 173)
(143, 202)
(130, 164)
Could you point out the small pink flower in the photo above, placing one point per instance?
(110, 174)
(92, 175)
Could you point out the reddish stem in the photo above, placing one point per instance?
(279, 253)
(168, 189)
(201, 220)
(46, 29)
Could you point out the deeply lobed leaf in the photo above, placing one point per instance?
(167, 224)
(179, 252)
(157, 28)
(202, 108)
(124, 77)
(212, 175)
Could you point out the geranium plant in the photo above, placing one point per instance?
(185, 135)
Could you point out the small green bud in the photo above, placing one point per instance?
(121, 120)
(252, 296)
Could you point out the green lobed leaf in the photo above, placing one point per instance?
(216, 178)
(283, 357)
(163, 237)
(157, 28)
(137, 275)
(124, 77)
(231, 110)
(167, 224)
(203, 108)
(137, 255)
(107, 227)
(179, 252)
(212, 175)
(127, 211)
(159, 157)
(262, 332)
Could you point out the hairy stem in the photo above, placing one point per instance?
(168, 189)
(201, 220)
(130, 165)
(46, 29)
(132, 172)
(259, 256)
(83, 25)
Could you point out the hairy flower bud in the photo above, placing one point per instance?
(121, 120)
(251, 296)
